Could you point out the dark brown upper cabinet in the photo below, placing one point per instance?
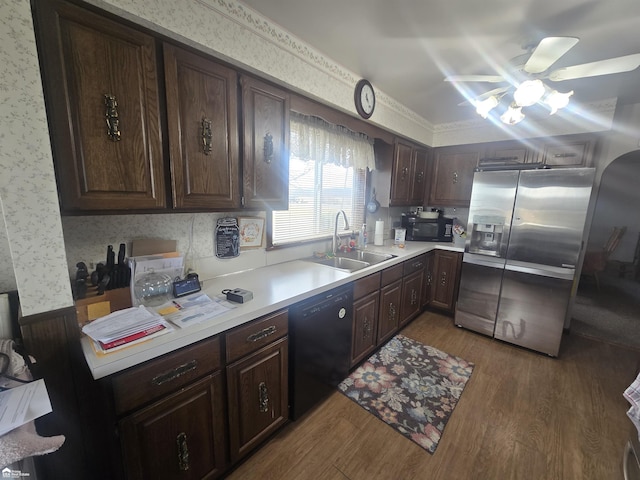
(408, 176)
(202, 122)
(453, 174)
(101, 90)
(265, 160)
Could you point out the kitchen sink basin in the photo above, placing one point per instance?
(364, 256)
(342, 263)
(352, 261)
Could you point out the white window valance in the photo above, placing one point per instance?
(315, 139)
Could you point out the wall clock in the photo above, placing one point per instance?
(365, 98)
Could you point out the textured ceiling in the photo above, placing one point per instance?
(407, 47)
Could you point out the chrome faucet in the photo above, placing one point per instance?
(334, 247)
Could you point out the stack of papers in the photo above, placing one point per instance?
(124, 328)
(192, 309)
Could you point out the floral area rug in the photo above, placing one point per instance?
(411, 386)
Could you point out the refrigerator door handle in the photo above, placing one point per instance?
(483, 261)
(543, 270)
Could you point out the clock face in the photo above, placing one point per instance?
(365, 98)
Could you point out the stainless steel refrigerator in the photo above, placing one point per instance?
(524, 239)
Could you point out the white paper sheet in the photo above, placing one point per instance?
(22, 404)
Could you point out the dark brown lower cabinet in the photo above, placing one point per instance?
(411, 297)
(389, 317)
(446, 278)
(365, 322)
(258, 397)
(180, 436)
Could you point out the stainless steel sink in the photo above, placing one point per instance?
(342, 263)
(352, 261)
(365, 256)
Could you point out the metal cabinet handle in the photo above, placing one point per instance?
(429, 279)
(254, 337)
(565, 155)
(420, 177)
(207, 135)
(174, 373)
(263, 397)
(113, 122)
(392, 311)
(414, 297)
(405, 171)
(443, 279)
(183, 451)
(268, 148)
(455, 177)
(417, 265)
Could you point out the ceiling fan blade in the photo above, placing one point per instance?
(475, 78)
(548, 51)
(484, 96)
(593, 69)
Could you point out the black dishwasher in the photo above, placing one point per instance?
(320, 347)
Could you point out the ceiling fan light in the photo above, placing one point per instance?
(513, 115)
(485, 106)
(528, 93)
(556, 100)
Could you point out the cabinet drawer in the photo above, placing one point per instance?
(415, 264)
(164, 375)
(391, 274)
(366, 285)
(257, 334)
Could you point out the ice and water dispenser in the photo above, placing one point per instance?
(486, 235)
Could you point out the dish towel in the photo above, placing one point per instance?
(632, 394)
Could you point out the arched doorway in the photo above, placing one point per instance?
(609, 309)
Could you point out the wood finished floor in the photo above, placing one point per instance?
(523, 415)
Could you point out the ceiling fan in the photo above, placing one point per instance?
(526, 79)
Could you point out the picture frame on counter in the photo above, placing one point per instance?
(251, 231)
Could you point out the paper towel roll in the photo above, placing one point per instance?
(378, 238)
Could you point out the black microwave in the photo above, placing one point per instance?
(428, 229)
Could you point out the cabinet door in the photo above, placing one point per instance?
(265, 119)
(568, 151)
(181, 436)
(389, 317)
(258, 397)
(202, 123)
(453, 175)
(365, 321)
(446, 272)
(101, 89)
(401, 176)
(411, 297)
(419, 177)
(510, 152)
(428, 279)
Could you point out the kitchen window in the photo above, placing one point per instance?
(327, 173)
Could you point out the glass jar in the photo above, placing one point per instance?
(153, 289)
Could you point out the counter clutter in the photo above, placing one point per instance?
(274, 287)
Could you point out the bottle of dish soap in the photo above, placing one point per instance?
(363, 236)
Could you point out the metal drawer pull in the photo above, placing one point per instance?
(565, 155)
(268, 148)
(207, 135)
(254, 337)
(263, 397)
(112, 117)
(174, 373)
(183, 451)
(414, 297)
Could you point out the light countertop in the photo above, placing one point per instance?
(274, 287)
